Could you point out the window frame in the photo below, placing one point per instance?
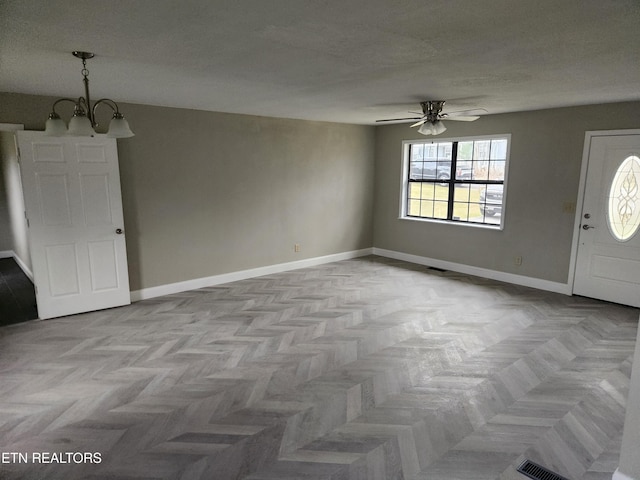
(405, 182)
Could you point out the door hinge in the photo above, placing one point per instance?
(26, 218)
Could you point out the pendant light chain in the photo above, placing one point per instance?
(85, 70)
(85, 80)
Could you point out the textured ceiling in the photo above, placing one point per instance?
(351, 61)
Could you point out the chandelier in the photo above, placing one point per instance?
(83, 122)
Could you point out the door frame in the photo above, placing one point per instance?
(588, 136)
(13, 128)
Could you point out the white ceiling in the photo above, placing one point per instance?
(350, 61)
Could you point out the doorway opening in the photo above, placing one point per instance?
(17, 295)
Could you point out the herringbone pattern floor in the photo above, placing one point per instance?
(363, 369)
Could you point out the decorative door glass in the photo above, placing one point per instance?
(624, 200)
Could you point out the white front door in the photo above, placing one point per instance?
(608, 255)
(76, 229)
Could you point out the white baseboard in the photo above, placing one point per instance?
(21, 264)
(194, 284)
(137, 295)
(24, 267)
(477, 271)
(618, 475)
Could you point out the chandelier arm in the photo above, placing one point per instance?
(53, 113)
(83, 107)
(106, 101)
(83, 102)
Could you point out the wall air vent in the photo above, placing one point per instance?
(537, 472)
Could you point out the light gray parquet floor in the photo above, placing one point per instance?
(362, 369)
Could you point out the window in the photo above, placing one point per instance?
(624, 196)
(456, 180)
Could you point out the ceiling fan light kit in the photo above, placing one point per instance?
(83, 122)
(432, 128)
(430, 123)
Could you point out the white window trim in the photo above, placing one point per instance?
(404, 182)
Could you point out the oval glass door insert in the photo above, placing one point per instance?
(624, 200)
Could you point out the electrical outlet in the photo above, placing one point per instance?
(518, 260)
(296, 248)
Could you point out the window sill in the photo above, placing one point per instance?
(485, 226)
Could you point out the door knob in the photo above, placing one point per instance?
(587, 227)
(119, 231)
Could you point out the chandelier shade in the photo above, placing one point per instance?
(55, 126)
(83, 122)
(119, 127)
(80, 126)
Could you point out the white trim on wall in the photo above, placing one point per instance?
(24, 267)
(152, 292)
(477, 271)
(194, 284)
(618, 475)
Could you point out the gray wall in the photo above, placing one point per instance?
(210, 193)
(543, 178)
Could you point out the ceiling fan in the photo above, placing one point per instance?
(430, 121)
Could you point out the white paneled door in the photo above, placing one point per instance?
(608, 256)
(76, 229)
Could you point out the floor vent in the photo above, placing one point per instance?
(537, 472)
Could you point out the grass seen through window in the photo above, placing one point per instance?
(427, 199)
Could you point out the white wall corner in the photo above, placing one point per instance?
(618, 475)
(145, 293)
(522, 280)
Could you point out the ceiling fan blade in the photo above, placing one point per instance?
(464, 118)
(431, 110)
(472, 112)
(398, 119)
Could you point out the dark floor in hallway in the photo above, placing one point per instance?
(17, 296)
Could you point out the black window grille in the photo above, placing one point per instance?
(457, 181)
